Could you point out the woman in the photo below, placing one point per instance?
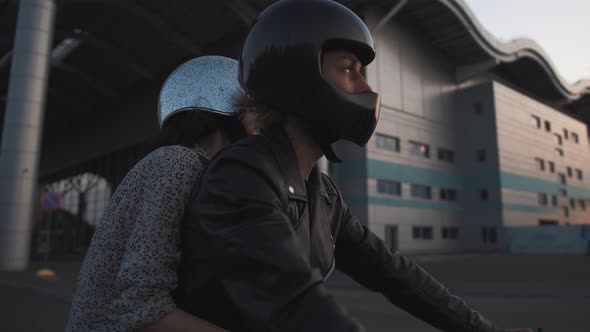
(130, 267)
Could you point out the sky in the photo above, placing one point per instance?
(562, 28)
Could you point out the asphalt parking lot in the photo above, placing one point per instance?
(548, 291)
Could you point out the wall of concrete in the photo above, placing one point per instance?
(548, 239)
(417, 87)
(521, 143)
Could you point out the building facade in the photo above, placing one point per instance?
(454, 163)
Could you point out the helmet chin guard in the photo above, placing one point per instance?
(330, 153)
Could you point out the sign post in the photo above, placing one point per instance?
(50, 201)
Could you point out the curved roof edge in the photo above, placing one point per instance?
(515, 50)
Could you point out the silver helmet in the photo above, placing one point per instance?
(207, 83)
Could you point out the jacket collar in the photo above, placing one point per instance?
(286, 158)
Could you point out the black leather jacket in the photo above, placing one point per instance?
(258, 241)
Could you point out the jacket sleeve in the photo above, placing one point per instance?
(237, 229)
(365, 258)
(147, 274)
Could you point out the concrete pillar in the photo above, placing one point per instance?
(23, 125)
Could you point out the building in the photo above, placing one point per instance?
(475, 135)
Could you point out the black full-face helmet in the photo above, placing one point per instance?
(281, 60)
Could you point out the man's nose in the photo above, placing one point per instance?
(363, 85)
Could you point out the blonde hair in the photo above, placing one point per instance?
(256, 116)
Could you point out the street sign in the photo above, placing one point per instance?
(50, 201)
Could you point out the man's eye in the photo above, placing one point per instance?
(347, 70)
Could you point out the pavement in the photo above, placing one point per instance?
(548, 291)
(29, 303)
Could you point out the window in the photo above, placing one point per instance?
(579, 174)
(540, 164)
(570, 172)
(547, 126)
(535, 121)
(448, 194)
(544, 222)
(572, 203)
(450, 232)
(554, 200)
(542, 198)
(477, 108)
(419, 149)
(387, 142)
(565, 211)
(421, 191)
(563, 192)
(446, 155)
(483, 194)
(575, 137)
(481, 155)
(389, 187)
(488, 234)
(582, 204)
(551, 166)
(422, 232)
(558, 139)
(561, 178)
(566, 134)
(559, 151)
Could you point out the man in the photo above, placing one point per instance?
(267, 228)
